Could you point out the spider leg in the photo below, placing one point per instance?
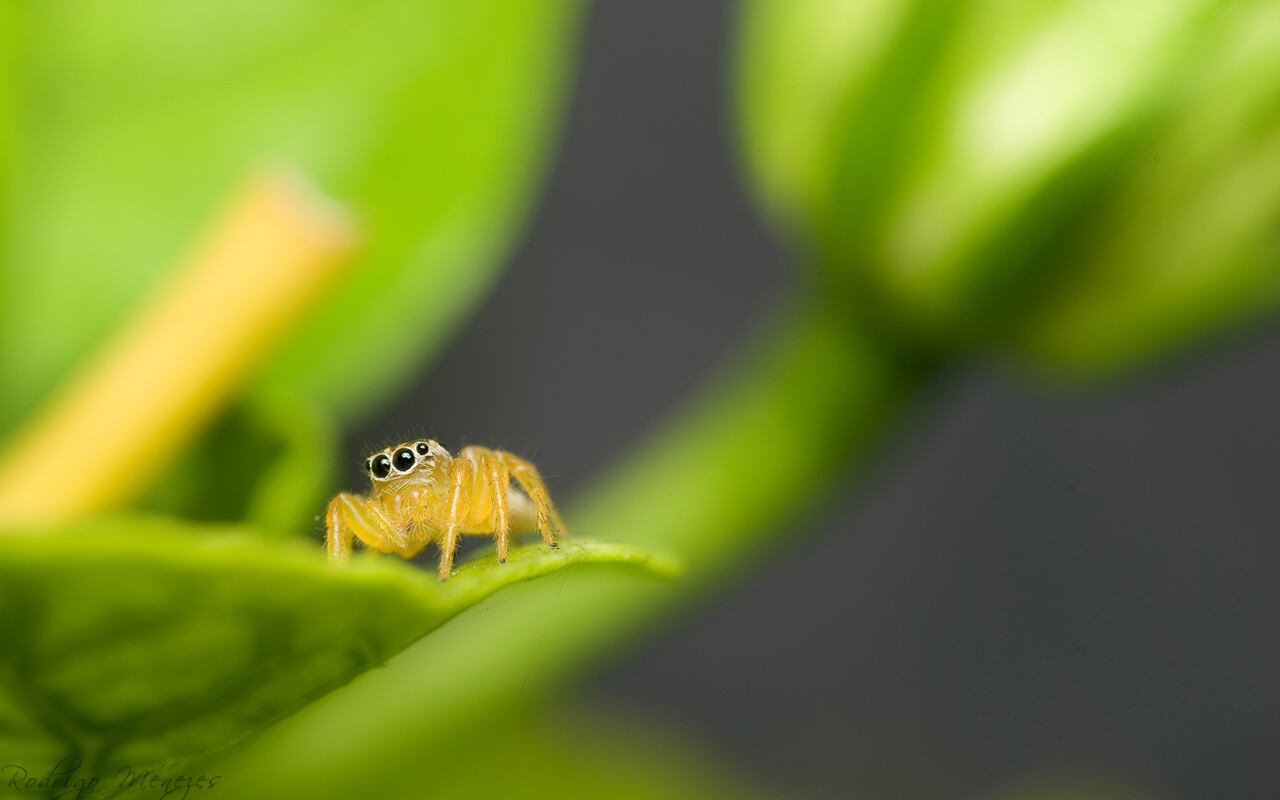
(549, 521)
(461, 476)
(490, 510)
(499, 489)
(352, 516)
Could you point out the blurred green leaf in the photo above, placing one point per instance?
(575, 755)
(1190, 241)
(795, 62)
(126, 125)
(267, 462)
(142, 640)
(1089, 183)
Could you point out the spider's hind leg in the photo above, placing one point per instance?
(499, 486)
(489, 509)
(548, 518)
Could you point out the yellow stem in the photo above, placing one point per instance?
(148, 392)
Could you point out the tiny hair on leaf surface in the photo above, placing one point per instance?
(143, 639)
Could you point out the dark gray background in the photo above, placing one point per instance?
(1030, 583)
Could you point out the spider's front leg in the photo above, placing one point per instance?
(351, 515)
(461, 477)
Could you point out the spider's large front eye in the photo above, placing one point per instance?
(404, 459)
(380, 466)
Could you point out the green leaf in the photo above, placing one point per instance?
(140, 640)
(1089, 184)
(125, 126)
(1188, 242)
(267, 462)
(576, 754)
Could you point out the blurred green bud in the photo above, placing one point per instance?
(1088, 183)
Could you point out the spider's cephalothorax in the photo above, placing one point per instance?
(408, 467)
(421, 494)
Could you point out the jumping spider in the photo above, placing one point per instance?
(421, 494)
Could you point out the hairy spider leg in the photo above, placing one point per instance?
(499, 484)
(355, 515)
(482, 480)
(462, 475)
(526, 474)
(486, 504)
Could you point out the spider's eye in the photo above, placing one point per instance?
(423, 448)
(368, 465)
(381, 466)
(404, 459)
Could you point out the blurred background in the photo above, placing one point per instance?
(987, 513)
(1028, 584)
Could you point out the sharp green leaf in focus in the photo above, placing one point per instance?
(124, 127)
(141, 640)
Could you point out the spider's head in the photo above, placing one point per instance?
(412, 462)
